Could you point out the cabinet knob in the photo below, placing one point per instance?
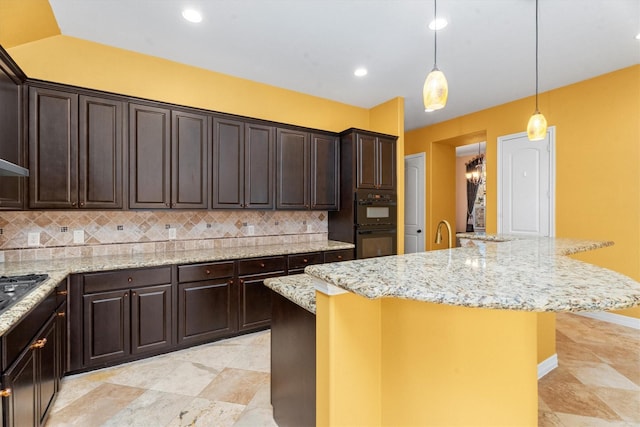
(73, 203)
(242, 281)
(262, 265)
(305, 260)
(62, 293)
(230, 281)
(339, 256)
(166, 204)
(133, 294)
(207, 271)
(126, 294)
(6, 392)
(130, 279)
(62, 314)
(38, 344)
(81, 204)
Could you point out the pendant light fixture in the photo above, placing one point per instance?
(537, 126)
(435, 90)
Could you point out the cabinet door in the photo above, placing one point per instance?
(292, 177)
(151, 319)
(11, 148)
(149, 157)
(205, 310)
(61, 338)
(325, 179)
(53, 148)
(189, 175)
(366, 170)
(47, 369)
(106, 327)
(227, 164)
(19, 409)
(254, 303)
(386, 164)
(100, 153)
(259, 159)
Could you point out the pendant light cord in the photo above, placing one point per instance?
(537, 57)
(435, 34)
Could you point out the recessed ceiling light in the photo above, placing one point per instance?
(192, 15)
(360, 72)
(438, 24)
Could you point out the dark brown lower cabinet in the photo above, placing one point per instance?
(293, 364)
(206, 302)
(151, 318)
(31, 382)
(106, 327)
(254, 298)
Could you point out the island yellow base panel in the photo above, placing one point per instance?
(395, 362)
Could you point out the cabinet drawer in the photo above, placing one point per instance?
(337, 256)
(197, 272)
(274, 264)
(125, 279)
(302, 260)
(23, 333)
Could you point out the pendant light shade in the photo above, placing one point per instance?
(435, 89)
(537, 126)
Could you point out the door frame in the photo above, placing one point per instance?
(422, 191)
(551, 137)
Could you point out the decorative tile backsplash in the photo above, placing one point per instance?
(117, 232)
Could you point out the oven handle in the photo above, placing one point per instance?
(385, 231)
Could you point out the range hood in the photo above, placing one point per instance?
(11, 169)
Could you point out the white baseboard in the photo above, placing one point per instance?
(547, 365)
(618, 319)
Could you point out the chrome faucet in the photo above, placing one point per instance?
(439, 232)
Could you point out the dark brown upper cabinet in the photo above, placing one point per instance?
(75, 145)
(168, 158)
(12, 188)
(242, 164)
(374, 159)
(307, 174)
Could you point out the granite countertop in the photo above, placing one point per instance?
(496, 272)
(59, 269)
(299, 288)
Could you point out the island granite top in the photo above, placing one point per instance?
(59, 269)
(491, 271)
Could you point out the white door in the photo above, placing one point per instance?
(414, 203)
(526, 185)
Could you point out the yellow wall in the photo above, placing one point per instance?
(23, 21)
(597, 161)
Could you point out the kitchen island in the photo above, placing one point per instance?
(446, 337)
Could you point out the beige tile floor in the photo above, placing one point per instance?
(226, 383)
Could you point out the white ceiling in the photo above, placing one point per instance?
(487, 51)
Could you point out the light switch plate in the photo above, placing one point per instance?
(78, 236)
(33, 239)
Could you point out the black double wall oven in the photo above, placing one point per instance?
(375, 225)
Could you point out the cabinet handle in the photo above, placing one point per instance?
(6, 392)
(62, 314)
(73, 203)
(126, 294)
(166, 204)
(262, 265)
(242, 281)
(38, 344)
(133, 294)
(339, 256)
(207, 271)
(62, 293)
(230, 281)
(81, 204)
(305, 260)
(130, 279)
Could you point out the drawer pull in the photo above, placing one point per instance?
(130, 279)
(133, 294)
(39, 344)
(339, 256)
(62, 314)
(262, 264)
(305, 260)
(230, 281)
(6, 392)
(62, 293)
(207, 271)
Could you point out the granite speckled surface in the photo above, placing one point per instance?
(299, 288)
(59, 269)
(497, 272)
